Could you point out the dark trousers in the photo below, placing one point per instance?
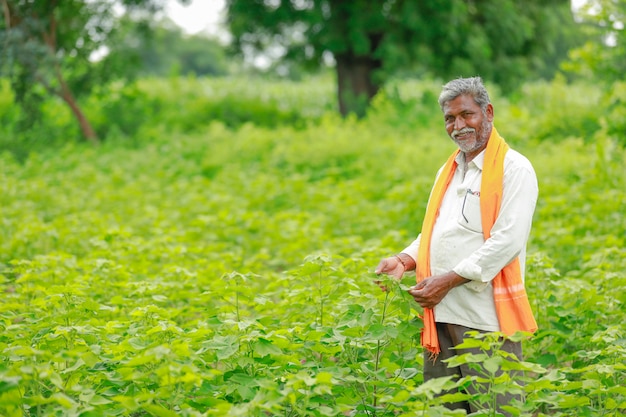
(451, 335)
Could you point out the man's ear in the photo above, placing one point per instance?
(489, 112)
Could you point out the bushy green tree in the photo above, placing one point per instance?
(505, 41)
(603, 56)
(48, 46)
(202, 56)
(165, 51)
(603, 59)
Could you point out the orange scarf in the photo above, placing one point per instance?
(512, 306)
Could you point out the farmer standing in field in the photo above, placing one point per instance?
(470, 255)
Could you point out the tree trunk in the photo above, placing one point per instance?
(67, 96)
(356, 85)
(50, 39)
(84, 124)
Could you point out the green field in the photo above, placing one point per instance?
(215, 255)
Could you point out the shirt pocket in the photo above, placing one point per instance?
(469, 215)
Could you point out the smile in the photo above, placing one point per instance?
(463, 134)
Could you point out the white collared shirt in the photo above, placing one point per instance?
(458, 245)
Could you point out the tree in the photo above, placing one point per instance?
(200, 55)
(505, 41)
(47, 48)
(167, 50)
(603, 59)
(603, 56)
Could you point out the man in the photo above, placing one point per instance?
(470, 254)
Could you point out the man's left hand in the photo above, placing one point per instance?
(430, 291)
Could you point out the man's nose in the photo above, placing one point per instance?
(459, 123)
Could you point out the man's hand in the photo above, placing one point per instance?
(429, 292)
(389, 266)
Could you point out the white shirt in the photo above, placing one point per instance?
(458, 245)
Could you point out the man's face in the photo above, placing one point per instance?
(467, 125)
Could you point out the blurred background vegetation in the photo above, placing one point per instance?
(77, 70)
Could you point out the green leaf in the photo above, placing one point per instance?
(140, 359)
(63, 400)
(492, 365)
(324, 378)
(465, 359)
(56, 379)
(263, 347)
(572, 401)
(8, 383)
(225, 346)
(159, 411)
(471, 343)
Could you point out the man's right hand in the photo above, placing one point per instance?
(389, 266)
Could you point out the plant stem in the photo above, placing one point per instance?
(237, 301)
(321, 299)
(378, 349)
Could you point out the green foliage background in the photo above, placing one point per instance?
(215, 256)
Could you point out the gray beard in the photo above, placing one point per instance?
(481, 139)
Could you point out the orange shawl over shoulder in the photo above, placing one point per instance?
(512, 306)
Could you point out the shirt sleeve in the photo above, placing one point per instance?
(413, 248)
(510, 232)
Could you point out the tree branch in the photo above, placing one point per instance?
(53, 26)
(7, 14)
